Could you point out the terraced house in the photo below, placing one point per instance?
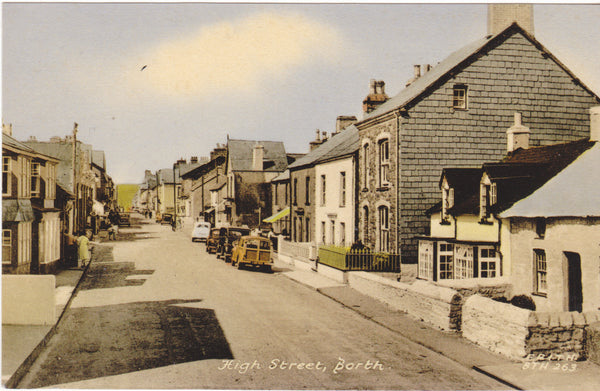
(31, 225)
(456, 114)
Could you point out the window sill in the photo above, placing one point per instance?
(384, 188)
(539, 294)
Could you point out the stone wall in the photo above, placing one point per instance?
(592, 343)
(433, 304)
(499, 327)
(559, 332)
(517, 332)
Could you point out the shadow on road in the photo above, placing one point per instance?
(110, 340)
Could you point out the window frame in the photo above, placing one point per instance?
(488, 260)
(342, 189)
(365, 174)
(383, 228)
(445, 257)
(383, 161)
(6, 175)
(35, 180)
(460, 97)
(540, 268)
(7, 246)
(323, 190)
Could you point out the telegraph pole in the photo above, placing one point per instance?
(75, 187)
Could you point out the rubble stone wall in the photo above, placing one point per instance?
(439, 306)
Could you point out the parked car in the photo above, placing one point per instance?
(166, 218)
(201, 231)
(254, 251)
(125, 219)
(212, 242)
(226, 240)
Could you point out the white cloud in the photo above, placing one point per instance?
(237, 56)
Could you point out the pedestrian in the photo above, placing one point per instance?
(113, 218)
(83, 250)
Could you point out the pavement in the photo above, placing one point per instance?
(22, 344)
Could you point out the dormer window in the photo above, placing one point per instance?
(447, 201)
(459, 97)
(487, 198)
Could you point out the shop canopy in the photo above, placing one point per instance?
(277, 216)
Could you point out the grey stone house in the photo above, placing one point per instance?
(455, 114)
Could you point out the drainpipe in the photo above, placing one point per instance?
(398, 185)
(174, 198)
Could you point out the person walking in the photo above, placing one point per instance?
(113, 217)
(83, 251)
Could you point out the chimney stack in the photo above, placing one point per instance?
(595, 123)
(316, 142)
(258, 155)
(7, 129)
(376, 96)
(517, 135)
(343, 121)
(502, 15)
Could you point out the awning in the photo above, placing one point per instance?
(17, 210)
(277, 216)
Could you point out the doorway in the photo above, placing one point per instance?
(573, 286)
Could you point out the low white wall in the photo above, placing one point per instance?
(499, 327)
(439, 306)
(28, 299)
(333, 273)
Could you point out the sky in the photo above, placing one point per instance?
(149, 83)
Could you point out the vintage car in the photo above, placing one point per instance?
(254, 251)
(201, 231)
(166, 218)
(228, 236)
(124, 219)
(212, 242)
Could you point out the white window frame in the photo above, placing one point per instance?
(6, 246)
(35, 179)
(426, 259)
(446, 258)
(540, 267)
(365, 166)
(460, 97)
(332, 232)
(6, 171)
(384, 161)
(492, 263)
(342, 234)
(383, 214)
(323, 190)
(342, 189)
(463, 261)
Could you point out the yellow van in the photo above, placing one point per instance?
(252, 250)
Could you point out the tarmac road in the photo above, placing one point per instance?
(156, 311)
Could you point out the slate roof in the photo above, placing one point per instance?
(521, 173)
(574, 192)
(284, 176)
(240, 153)
(453, 64)
(12, 142)
(344, 143)
(99, 159)
(17, 210)
(464, 181)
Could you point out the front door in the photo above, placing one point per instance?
(574, 288)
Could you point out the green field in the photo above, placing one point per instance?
(125, 193)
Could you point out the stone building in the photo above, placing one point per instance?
(468, 240)
(199, 181)
(455, 115)
(250, 167)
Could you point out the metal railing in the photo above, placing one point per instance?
(344, 258)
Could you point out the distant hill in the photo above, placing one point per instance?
(125, 194)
